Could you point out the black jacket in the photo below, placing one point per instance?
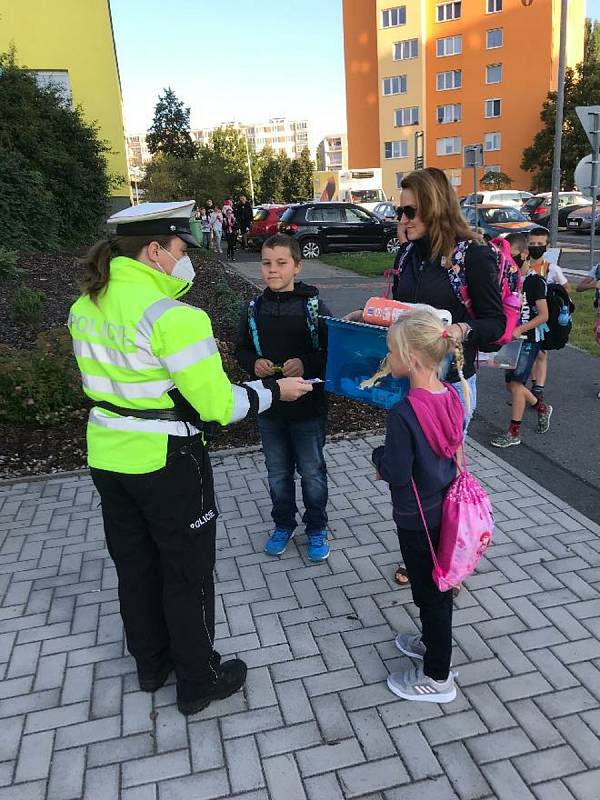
(283, 333)
(243, 213)
(426, 281)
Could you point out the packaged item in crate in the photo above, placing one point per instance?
(505, 358)
(354, 353)
(383, 311)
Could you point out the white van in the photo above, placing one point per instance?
(499, 197)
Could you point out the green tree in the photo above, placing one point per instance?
(299, 185)
(320, 159)
(496, 180)
(275, 177)
(54, 180)
(582, 88)
(591, 46)
(170, 178)
(170, 129)
(229, 144)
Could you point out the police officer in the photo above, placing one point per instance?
(151, 367)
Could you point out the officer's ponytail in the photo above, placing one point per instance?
(96, 264)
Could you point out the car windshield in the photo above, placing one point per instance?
(500, 215)
(260, 214)
(288, 214)
(366, 195)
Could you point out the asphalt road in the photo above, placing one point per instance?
(566, 460)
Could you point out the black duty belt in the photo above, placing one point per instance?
(177, 414)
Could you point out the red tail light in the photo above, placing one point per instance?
(539, 211)
(285, 227)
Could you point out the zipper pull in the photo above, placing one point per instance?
(421, 266)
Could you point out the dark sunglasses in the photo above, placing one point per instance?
(410, 212)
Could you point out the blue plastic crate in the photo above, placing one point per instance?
(354, 353)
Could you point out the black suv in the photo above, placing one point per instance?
(320, 227)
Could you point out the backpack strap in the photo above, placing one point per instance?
(253, 308)
(424, 521)
(311, 309)
(393, 274)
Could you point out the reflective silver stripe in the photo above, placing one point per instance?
(197, 351)
(265, 396)
(141, 425)
(153, 313)
(136, 362)
(241, 404)
(129, 391)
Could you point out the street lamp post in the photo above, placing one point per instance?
(249, 166)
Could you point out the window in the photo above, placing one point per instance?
(492, 141)
(323, 213)
(447, 11)
(399, 178)
(449, 46)
(357, 215)
(449, 113)
(409, 48)
(448, 147)
(493, 108)
(493, 73)
(494, 38)
(57, 79)
(392, 17)
(493, 168)
(395, 85)
(406, 116)
(493, 6)
(397, 149)
(449, 80)
(454, 176)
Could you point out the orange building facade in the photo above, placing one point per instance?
(426, 78)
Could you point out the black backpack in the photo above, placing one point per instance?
(560, 308)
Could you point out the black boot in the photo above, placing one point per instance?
(232, 676)
(155, 681)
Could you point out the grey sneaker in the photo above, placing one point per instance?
(413, 684)
(410, 644)
(505, 440)
(543, 425)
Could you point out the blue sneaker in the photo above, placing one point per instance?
(278, 541)
(318, 549)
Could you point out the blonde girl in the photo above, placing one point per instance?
(423, 436)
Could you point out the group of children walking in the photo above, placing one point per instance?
(217, 222)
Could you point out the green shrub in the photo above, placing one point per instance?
(27, 305)
(42, 385)
(231, 302)
(8, 263)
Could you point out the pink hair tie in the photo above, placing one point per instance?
(445, 334)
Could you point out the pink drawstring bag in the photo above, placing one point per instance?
(467, 528)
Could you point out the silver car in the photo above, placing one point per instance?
(580, 220)
(386, 211)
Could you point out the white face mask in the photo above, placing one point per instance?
(183, 269)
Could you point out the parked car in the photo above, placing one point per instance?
(538, 207)
(264, 224)
(496, 220)
(580, 220)
(386, 211)
(323, 227)
(498, 197)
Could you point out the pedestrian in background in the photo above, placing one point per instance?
(217, 229)
(204, 220)
(243, 213)
(230, 228)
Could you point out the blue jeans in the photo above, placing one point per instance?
(472, 383)
(291, 446)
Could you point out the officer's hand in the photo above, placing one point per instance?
(355, 316)
(293, 368)
(292, 388)
(263, 368)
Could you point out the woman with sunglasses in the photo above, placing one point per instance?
(427, 267)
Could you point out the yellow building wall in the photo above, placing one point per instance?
(413, 69)
(75, 35)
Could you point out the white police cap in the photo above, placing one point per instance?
(156, 219)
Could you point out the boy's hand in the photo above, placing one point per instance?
(293, 368)
(263, 368)
(292, 388)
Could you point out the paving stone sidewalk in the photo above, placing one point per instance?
(316, 719)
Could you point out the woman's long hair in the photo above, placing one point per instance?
(96, 263)
(437, 206)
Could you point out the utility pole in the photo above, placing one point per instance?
(249, 166)
(595, 181)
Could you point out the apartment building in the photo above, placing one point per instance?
(426, 78)
(332, 152)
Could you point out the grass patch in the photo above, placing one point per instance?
(367, 263)
(584, 320)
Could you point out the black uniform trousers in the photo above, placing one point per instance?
(435, 607)
(160, 531)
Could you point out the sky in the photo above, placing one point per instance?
(242, 60)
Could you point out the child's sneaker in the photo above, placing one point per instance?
(543, 425)
(318, 548)
(505, 440)
(410, 644)
(413, 684)
(278, 541)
